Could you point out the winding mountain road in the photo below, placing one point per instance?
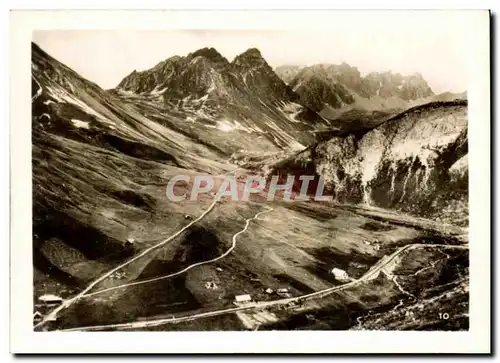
(67, 303)
(229, 250)
(371, 274)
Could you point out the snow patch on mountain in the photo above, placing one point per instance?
(156, 91)
(291, 110)
(229, 126)
(80, 124)
(60, 95)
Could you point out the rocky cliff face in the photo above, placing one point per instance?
(388, 84)
(319, 87)
(178, 77)
(206, 73)
(287, 72)
(147, 80)
(260, 78)
(450, 96)
(416, 162)
(243, 95)
(326, 86)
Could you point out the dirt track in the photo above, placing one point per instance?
(372, 273)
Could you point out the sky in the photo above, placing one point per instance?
(435, 48)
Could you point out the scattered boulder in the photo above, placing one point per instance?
(129, 242)
(210, 285)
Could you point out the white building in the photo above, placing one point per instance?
(283, 292)
(49, 298)
(340, 275)
(242, 299)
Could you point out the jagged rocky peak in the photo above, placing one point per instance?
(174, 58)
(347, 66)
(319, 86)
(287, 72)
(210, 54)
(387, 84)
(340, 68)
(347, 73)
(163, 72)
(341, 75)
(323, 87)
(250, 58)
(167, 62)
(147, 80)
(131, 81)
(331, 71)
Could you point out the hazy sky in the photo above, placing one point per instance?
(434, 48)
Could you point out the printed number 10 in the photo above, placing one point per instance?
(444, 316)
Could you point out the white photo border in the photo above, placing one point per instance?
(25, 340)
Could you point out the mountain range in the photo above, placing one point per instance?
(244, 94)
(109, 242)
(328, 89)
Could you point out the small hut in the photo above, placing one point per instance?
(242, 299)
(340, 275)
(50, 299)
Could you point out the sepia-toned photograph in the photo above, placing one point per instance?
(222, 180)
